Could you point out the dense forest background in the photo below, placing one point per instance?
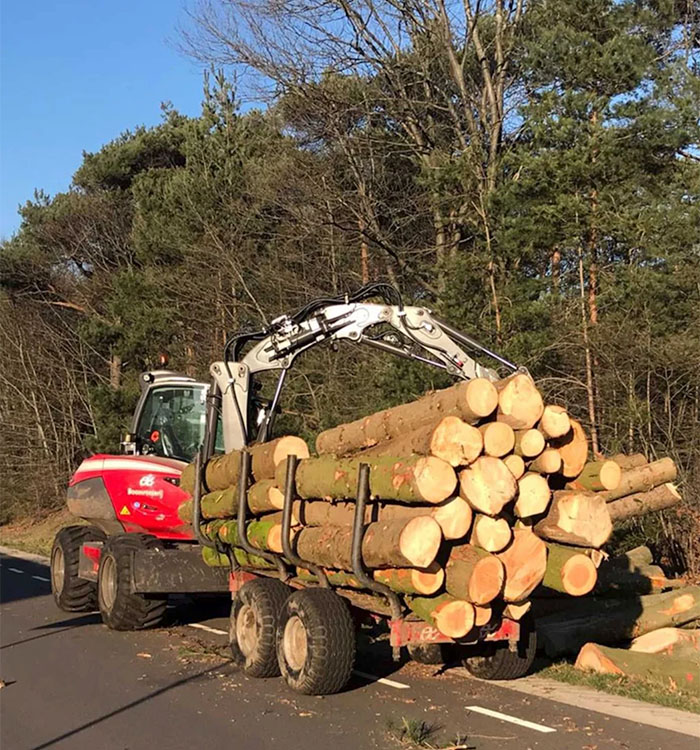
(528, 169)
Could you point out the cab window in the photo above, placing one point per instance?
(172, 421)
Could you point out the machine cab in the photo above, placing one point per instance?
(170, 417)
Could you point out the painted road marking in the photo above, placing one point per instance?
(199, 626)
(15, 570)
(383, 680)
(511, 719)
(41, 578)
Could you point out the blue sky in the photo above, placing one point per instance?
(74, 75)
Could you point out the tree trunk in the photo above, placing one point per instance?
(548, 462)
(115, 372)
(525, 562)
(519, 402)
(498, 437)
(632, 461)
(266, 457)
(597, 476)
(416, 479)
(411, 581)
(612, 621)
(669, 641)
(647, 579)
(573, 449)
(263, 534)
(223, 471)
(528, 443)
(264, 496)
(554, 422)
(632, 559)
(471, 401)
(473, 574)
(451, 439)
(452, 617)
(401, 543)
(569, 571)
(673, 672)
(643, 478)
(533, 495)
(491, 534)
(578, 518)
(487, 485)
(482, 615)
(641, 503)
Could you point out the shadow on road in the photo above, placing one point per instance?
(126, 707)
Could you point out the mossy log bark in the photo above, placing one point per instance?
(451, 616)
(613, 621)
(263, 497)
(216, 559)
(643, 478)
(676, 673)
(633, 558)
(416, 479)
(224, 471)
(474, 574)
(264, 534)
(451, 439)
(569, 571)
(578, 518)
(597, 476)
(400, 580)
(400, 543)
(669, 641)
(471, 401)
(640, 503)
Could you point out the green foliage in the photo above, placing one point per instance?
(174, 237)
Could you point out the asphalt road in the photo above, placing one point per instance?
(71, 683)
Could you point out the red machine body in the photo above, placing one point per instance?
(139, 493)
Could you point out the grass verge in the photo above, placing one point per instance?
(36, 535)
(629, 687)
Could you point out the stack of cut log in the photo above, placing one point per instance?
(481, 493)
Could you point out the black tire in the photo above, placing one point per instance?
(316, 642)
(120, 608)
(495, 661)
(427, 653)
(72, 594)
(253, 626)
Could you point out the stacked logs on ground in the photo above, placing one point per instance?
(480, 495)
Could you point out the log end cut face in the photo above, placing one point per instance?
(420, 541)
(487, 580)
(481, 398)
(487, 485)
(456, 442)
(435, 479)
(579, 575)
(454, 619)
(520, 404)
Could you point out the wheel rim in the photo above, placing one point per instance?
(247, 630)
(295, 643)
(58, 570)
(108, 582)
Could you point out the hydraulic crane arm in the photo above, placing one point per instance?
(406, 331)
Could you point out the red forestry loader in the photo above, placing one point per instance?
(136, 551)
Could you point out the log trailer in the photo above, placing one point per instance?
(136, 551)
